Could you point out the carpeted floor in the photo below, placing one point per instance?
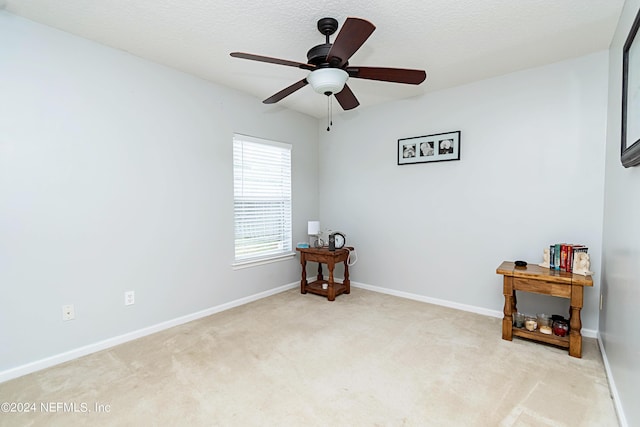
(366, 359)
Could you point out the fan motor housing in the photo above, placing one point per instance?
(317, 55)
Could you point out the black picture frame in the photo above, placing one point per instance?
(438, 147)
(630, 137)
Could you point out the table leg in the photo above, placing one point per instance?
(507, 320)
(347, 282)
(575, 323)
(331, 295)
(303, 281)
(320, 271)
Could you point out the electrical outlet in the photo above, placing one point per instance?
(129, 298)
(68, 312)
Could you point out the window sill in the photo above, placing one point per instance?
(261, 261)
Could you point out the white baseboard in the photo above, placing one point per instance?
(622, 419)
(436, 301)
(130, 336)
(589, 333)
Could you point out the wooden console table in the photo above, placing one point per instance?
(324, 256)
(541, 280)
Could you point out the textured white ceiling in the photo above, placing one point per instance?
(455, 41)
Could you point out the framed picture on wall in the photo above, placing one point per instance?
(438, 147)
(630, 144)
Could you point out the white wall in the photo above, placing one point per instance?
(531, 174)
(621, 243)
(115, 175)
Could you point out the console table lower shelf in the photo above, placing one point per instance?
(539, 336)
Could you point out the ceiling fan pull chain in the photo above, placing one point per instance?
(330, 110)
(329, 121)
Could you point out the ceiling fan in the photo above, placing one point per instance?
(329, 67)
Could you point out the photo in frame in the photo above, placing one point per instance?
(438, 147)
(630, 137)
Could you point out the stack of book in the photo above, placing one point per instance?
(561, 256)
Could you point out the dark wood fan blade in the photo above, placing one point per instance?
(396, 75)
(352, 35)
(286, 92)
(347, 99)
(270, 60)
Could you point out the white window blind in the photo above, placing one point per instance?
(261, 198)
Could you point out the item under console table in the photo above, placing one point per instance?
(331, 258)
(545, 281)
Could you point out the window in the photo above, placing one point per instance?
(261, 198)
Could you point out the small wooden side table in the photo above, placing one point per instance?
(325, 256)
(541, 280)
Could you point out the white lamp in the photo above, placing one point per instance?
(328, 81)
(313, 228)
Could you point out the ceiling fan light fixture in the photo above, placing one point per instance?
(328, 81)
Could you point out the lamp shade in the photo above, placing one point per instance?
(327, 80)
(313, 228)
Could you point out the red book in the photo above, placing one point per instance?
(569, 258)
(563, 257)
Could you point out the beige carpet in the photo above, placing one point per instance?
(366, 359)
